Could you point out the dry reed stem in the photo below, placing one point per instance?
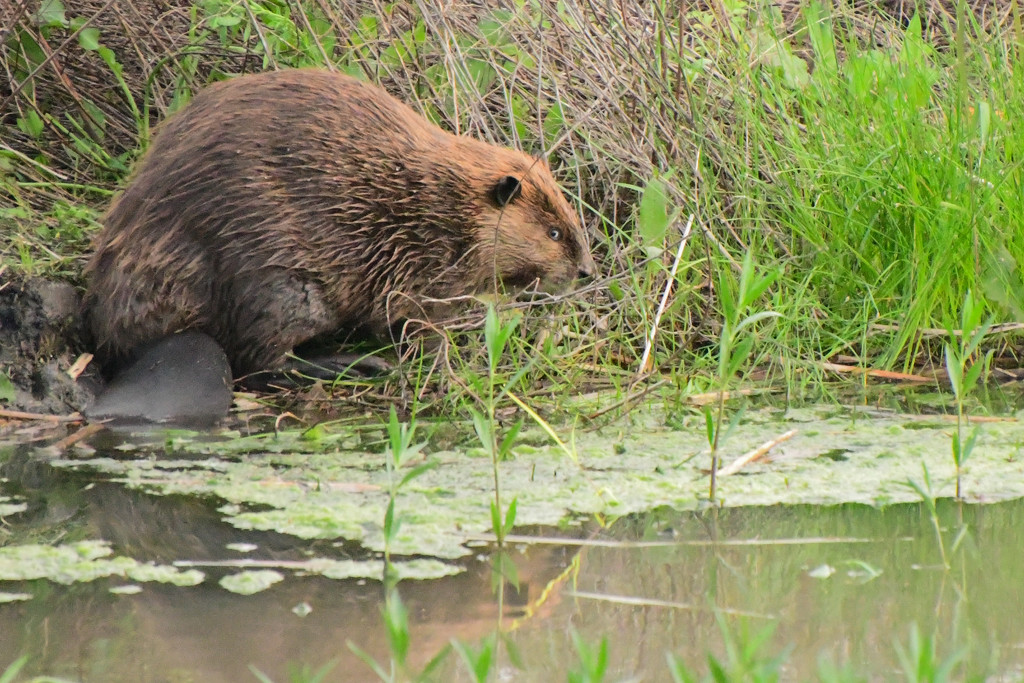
(754, 455)
(646, 357)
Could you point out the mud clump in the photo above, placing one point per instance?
(40, 338)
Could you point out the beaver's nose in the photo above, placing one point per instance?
(587, 267)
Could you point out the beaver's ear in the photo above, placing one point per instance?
(506, 189)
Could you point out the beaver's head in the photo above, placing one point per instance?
(528, 233)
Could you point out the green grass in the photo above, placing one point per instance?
(874, 165)
(896, 197)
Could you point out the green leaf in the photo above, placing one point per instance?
(969, 445)
(395, 435)
(492, 329)
(417, 471)
(1001, 280)
(727, 295)
(493, 28)
(390, 524)
(314, 434)
(984, 120)
(10, 674)
(554, 121)
(319, 675)
(478, 662)
(224, 21)
(95, 114)
(504, 571)
(725, 344)
(260, 676)
(751, 319)
(110, 59)
(764, 282)
(510, 517)
(971, 378)
(396, 621)
(718, 673)
(504, 335)
(953, 369)
(653, 216)
(509, 439)
(794, 70)
(678, 670)
(819, 30)
(970, 314)
(976, 338)
(89, 39)
(51, 13)
(31, 124)
(734, 422)
(918, 488)
(7, 392)
(739, 355)
(602, 658)
(369, 661)
(510, 384)
(483, 430)
(481, 73)
(428, 672)
(483, 664)
(709, 424)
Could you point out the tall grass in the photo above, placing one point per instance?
(874, 163)
(898, 184)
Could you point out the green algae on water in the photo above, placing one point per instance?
(251, 581)
(84, 561)
(315, 493)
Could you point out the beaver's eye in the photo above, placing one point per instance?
(555, 234)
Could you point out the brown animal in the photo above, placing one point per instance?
(282, 207)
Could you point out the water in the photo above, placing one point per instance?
(653, 583)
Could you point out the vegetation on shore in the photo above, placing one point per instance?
(767, 189)
(867, 159)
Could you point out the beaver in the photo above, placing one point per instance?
(283, 207)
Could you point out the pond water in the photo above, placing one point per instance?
(840, 582)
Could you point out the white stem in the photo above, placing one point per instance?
(664, 297)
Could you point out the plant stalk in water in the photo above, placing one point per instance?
(496, 336)
(924, 490)
(400, 451)
(963, 375)
(734, 347)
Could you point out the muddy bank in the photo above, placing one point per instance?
(45, 365)
(41, 337)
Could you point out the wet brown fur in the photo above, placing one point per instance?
(279, 207)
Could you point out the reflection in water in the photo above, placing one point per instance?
(878, 588)
(853, 616)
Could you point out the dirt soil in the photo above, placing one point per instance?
(41, 337)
